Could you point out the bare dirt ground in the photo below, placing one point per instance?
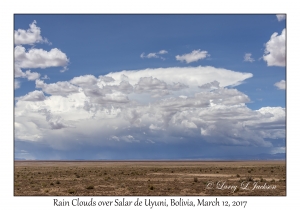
(150, 178)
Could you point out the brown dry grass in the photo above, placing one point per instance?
(147, 178)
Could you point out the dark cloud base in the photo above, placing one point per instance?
(158, 151)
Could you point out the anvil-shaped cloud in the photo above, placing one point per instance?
(147, 106)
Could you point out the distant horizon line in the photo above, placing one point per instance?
(154, 160)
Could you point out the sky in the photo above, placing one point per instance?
(119, 87)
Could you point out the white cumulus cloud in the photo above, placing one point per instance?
(194, 56)
(162, 52)
(19, 72)
(152, 85)
(17, 84)
(39, 58)
(32, 75)
(33, 96)
(28, 74)
(248, 58)
(280, 85)
(211, 85)
(86, 80)
(59, 88)
(154, 54)
(45, 77)
(275, 54)
(29, 36)
(280, 17)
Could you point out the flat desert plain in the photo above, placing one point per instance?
(143, 178)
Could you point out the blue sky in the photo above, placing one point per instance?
(149, 86)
